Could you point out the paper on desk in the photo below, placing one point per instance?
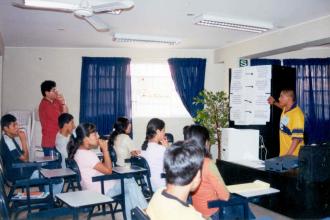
(248, 187)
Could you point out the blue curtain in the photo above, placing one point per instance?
(188, 75)
(313, 96)
(105, 92)
(258, 62)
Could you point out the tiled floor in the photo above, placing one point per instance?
(266, 214)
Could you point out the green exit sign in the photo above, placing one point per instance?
(243, 62)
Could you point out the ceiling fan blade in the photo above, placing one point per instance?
(70, 5)
(97, 23)
(113, 6)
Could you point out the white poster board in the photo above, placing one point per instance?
(249, 89)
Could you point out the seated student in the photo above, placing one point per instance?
(121, 142)
(14, 149)
(79, 149)
(153, 151)
(182, 162)
(212, 186)
(66, 125)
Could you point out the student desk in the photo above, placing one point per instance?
(67, 174)
(35, 162)
(57, 173)
(296, 199)
(129, 170)
(82, 199)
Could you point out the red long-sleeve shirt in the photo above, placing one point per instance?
(48, 115)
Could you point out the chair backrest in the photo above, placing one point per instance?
(4, 204)
(235, 208)
(138, 214)
(141, 162)
(72, 164)
(3, 171)
(4, 208)
(36, 129)
(2, 176)
(143, 180)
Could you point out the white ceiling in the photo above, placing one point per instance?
(170, 18)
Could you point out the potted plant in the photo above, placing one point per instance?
(215, 114)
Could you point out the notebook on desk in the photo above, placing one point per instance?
(253, 189)
(33, 195)
(246, 187)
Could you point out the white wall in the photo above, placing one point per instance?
(303, 54)
(2, 48)
(312, 33)
(1, 60)
(25, 68)
(2, 45)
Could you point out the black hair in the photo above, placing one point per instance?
(63, 119)
(185, 131)
(200, 134)
(6, 120)
(290, 92)
(46, 86)
(182, 161)
(76, 139)
(153, 125)
(119, 127)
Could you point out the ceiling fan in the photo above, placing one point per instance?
(85, 9)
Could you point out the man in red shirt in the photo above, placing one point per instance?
(51, 106)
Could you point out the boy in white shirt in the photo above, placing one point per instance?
(66, 125)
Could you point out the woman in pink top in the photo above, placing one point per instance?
(79, 149)
(212, 186)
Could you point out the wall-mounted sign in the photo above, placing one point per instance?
(243, 62)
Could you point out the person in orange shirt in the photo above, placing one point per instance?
(212, 186)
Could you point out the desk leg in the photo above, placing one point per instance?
(75, 214)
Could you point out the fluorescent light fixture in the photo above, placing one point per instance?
(227, 23)
(58, 4)
(129, 38)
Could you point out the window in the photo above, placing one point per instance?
(153, 92)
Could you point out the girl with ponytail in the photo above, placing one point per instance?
(79, 149)
(121, 142)
(154, 148)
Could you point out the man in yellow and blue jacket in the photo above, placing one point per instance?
(291, 123)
